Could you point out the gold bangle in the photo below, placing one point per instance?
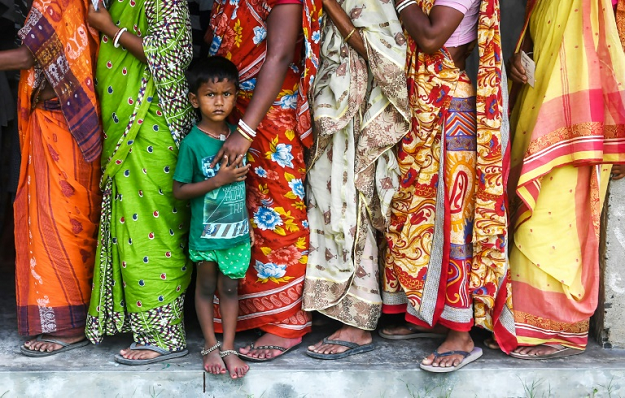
(349, 35)
(246, 136)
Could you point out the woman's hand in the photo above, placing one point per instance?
(235, 148)
(101, 20)
(517, 71)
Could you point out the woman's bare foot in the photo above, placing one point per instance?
(409, 328)
(236, 366)
(455, 341)
(346, 333)
(537, 350)
(492, 344)
(213, 363)
(138, 354)
(269, 339)
(44, 346)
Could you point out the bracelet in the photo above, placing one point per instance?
(117, 36)
(247, 128)
(404, 4)
(349, 35)
(244, 134)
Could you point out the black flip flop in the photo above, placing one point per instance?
(64, 347)
(352, 349)
(266, 347)
(165, 355)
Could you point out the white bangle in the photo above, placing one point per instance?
(117, 36)
(247, 128)
(404, 4)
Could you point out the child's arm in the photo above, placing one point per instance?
(227, 174)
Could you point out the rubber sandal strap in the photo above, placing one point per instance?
(450, 353)
(270, 347)
(343, 343)
(53, 341)
(162, 351)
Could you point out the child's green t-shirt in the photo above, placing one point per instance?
(219, 219)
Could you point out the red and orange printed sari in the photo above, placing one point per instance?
(270, 296)
(454, 166)
(566, 128)
(57, 204)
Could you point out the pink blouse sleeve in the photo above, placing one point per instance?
(460, 5)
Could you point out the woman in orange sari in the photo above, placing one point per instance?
(263, 38)
(57, 205)
(567, 127)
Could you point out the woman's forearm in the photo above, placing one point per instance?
(16, 59)
(345, 26)
(130, 42)
(284, 26)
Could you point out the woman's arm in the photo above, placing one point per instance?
(101, 20)
(344, 24)
(284, 25)
(16, 59)
(430, 32)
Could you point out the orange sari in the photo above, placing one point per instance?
(57, 204)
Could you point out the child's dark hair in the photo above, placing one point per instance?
(211, 69)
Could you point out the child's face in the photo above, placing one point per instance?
(215, 99)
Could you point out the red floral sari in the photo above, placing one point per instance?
(270, 296)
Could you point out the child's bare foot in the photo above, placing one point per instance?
(213, 363)
(235, 365)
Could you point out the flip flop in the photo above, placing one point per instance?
(64, 347)
(353, 349)
(468, 358)
(165, 355)
(266, 347)
(416, 334)
(562, 352)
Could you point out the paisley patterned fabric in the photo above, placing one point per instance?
(418, 271)
(270, 296)
(360, 112)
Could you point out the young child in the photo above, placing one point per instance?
(219, 238)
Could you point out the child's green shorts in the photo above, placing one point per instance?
(233, 262)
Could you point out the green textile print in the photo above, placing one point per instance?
(142, 271)
(232, 262)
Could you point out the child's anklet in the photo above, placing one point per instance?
(209, 350)
(225, 353)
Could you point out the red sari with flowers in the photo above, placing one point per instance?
(270, 296)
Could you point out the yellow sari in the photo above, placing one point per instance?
(565, 129)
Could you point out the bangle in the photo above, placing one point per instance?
(243, 126)
(349, 35)
(117, 36)
(401, 5)
(247, 137)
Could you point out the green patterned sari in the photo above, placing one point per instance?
(142, 270)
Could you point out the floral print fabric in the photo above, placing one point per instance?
(270, 295)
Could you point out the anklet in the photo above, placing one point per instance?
(225, 353)
(209, 350)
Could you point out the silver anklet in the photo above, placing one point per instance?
(209, 350)
(225, 353)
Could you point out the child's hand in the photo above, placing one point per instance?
(252, 238)
(233, 172)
